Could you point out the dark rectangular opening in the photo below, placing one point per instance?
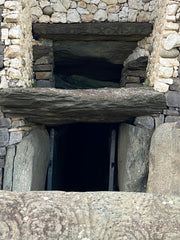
(81, 158)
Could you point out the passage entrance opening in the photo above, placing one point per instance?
(83, 158)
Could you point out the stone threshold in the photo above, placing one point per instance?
(51, 106)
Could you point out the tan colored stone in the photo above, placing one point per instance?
(66, 3)
(113, 8)
(14, 73)
(143, 16)
(58, 17)
(44, 3)
(161, 87)
(164, 171)
(13, 51)
(4, 33)
(43, 75)
(87, 18)
(82, 4)
(44, 19)
(92, 8)
(36, 11)
(109, 2)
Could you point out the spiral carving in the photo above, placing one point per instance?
(88, 216)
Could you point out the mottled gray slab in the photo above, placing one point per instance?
(58, 106)
(88, 216)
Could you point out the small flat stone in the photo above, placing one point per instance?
(145, 121)
(5, 122)
(4, 137)
(2, 151)
(169, 119)
(173, 53)
(15, 137)
(172, 99)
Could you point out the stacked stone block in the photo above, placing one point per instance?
(43, 63)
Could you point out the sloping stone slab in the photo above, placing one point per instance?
(57, 106)
(88, 216)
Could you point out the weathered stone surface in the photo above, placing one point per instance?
(169, 53)
(58, 106)
(15, 137)
(173, 99)
(2, 151)
(5, 122)
(172, 41)
(176, 85)
(145, 121)
(133, 149)
(8, 169)
(4, 137)
(164, 161)
(172, 119)
(26, 164)
(84, 216)
(93, 31)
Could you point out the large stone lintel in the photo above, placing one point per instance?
(98, 215)
(57, 106)
(93, 31)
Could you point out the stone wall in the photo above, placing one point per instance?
(16, 35)
(66, 11)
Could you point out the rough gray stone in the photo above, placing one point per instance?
(1, 162)
(2, 151)
(18, 123)
(15, 137)
(31, 161)
(44, 84)
(48, 10)
(169, 119)
(145, 121)
(59, 106)
(171, 112)
(159, 120)
(4, 137)
(173, 99)
(133, 149)
(5, 122)
(8, 169)
(176, 85)
(173, 53)
(88, 216)
(164, 160)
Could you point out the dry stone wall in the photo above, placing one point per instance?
(67, 11)
(16, 35)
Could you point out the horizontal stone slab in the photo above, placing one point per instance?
(93, 31)
(98, 215)
(58, 106)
